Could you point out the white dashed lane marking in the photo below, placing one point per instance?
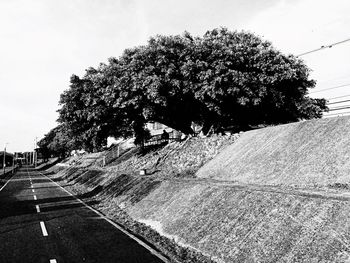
(43, 229)
(111, 222)
(33, 190)
(35, 197)
(37, 209)
(53, 261)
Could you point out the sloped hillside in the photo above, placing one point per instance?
(175, 159)
(278, 194)
(119, 185)
(310, 153)
(238, 224)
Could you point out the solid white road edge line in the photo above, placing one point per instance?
(37, 208)
(153, 251)
(7, 182)
(43, 229)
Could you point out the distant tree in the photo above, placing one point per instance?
(44, 145)
(85, 110)
(57, 142)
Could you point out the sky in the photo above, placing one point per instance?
(44, 42)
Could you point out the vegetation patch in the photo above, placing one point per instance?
(265, 215)
(240, 225)
(302, 154)
(166, 245)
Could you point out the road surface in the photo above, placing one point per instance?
(6, 170)
(40, 222)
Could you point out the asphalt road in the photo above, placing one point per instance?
(6, 170)
(40, 222)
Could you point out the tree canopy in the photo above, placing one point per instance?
(58, 142)
(223, 79)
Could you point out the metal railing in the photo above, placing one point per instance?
(158, 139)
(114, 152)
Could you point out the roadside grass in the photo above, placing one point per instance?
(238, 225)
(311, 153)
(228, 220)
(119, 184)
(173, 159)
(126, 188)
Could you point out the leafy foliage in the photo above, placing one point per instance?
(58, 142)
(223, 79)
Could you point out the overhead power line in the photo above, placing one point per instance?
(324, 47)
(329, 114)
(339, 97)
(338, 102)
(336, 87)
(340, 108)
(336, 114)
(337, 78)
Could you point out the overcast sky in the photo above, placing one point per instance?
(44, 42)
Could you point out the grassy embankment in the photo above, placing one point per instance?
(311, 153)
(119, 185)
(277, 194)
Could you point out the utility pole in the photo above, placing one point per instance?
(35, 152)
(13, 163)
(4, 159)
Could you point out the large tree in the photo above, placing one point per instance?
(89, 107)
(223, 79)
(242, 80)
(156, 86)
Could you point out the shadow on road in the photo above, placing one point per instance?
(12, 203)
